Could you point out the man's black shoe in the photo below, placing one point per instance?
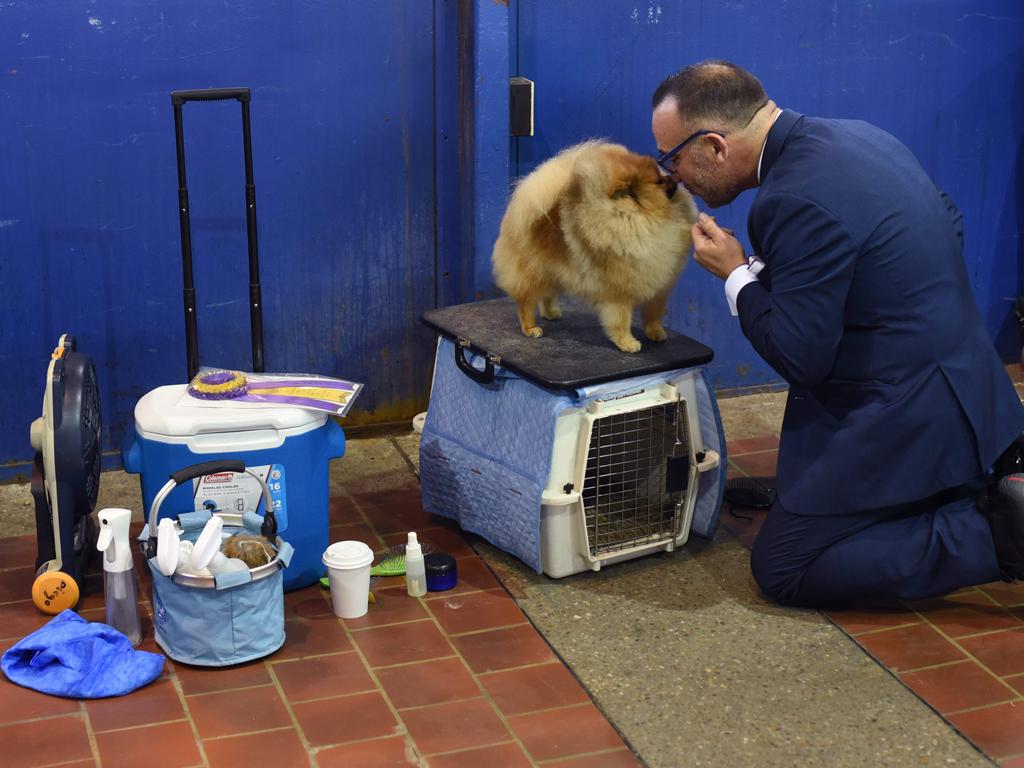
(750, 492)
(1006, 518)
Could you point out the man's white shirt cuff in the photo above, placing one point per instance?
(738, 278)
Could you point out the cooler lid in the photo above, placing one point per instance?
(158, 412)
(572, 353)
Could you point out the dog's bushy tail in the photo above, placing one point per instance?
(536, 195)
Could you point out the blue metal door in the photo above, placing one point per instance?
(943, 77)
(343, 148)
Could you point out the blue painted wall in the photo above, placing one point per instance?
(343, 144)
(945, 76)
(382, 164)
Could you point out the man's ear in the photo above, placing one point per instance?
(719, 146)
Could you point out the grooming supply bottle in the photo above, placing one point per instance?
(415, 570)
(119, 587)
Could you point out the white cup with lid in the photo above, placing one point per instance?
(348, 569)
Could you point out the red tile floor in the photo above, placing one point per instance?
(963, 654)
(459, 678)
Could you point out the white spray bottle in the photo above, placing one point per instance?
(119, 573)
(415, 569)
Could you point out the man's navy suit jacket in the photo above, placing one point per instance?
(864, 307)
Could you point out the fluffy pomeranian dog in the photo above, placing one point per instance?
(598, 222)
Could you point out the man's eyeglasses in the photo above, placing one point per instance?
(667, 161)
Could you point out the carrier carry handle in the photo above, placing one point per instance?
(486, 376)
(243, 95)
(269, 527)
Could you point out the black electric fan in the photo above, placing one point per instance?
(66, 469)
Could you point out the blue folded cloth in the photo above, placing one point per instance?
(69, 656)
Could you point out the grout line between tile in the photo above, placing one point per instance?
(491, 629)
(201, 694)
(40, 718)
(248, 733)
(754, 453)
(877, 630)
(408, 461)
(455, 651)
(897, 674)
(486, 695)
(557, 709)
(416, 707)
(348, 695)
(141, 725)
(964, 651)
(400, 729)
(176, 682)
(929, 668)
(1014, 701)
(291, 713)
(482, 746)
(90, 734)
(392, 624)
(522, 666)
(408, 741)
(410, 663)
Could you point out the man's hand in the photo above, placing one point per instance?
(715, 248)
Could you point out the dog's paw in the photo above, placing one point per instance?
(550, 313)
(628, 344)
(655, 332)
(534, 333)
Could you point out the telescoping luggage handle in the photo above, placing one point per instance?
(269, 527)
(178, 99)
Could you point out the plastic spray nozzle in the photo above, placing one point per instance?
(113, 539)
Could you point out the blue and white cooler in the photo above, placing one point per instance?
(289, 448)
(562, 450)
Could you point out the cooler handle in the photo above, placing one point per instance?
(269, 528)
(210, 94)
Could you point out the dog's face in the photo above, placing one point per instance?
(629, 184)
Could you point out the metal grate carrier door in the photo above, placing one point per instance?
(626, 501)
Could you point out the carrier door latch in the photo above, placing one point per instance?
(677, 473)
(677, 464)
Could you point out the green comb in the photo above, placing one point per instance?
(391, 562)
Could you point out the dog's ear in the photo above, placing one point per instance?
(574, 191)
(590, 172)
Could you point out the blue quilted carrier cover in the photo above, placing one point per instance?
(485, 453)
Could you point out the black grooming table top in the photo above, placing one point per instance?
(573, 352)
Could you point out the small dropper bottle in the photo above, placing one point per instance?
(415, 570)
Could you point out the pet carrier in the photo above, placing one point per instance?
(562, 450)
(229, 617)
